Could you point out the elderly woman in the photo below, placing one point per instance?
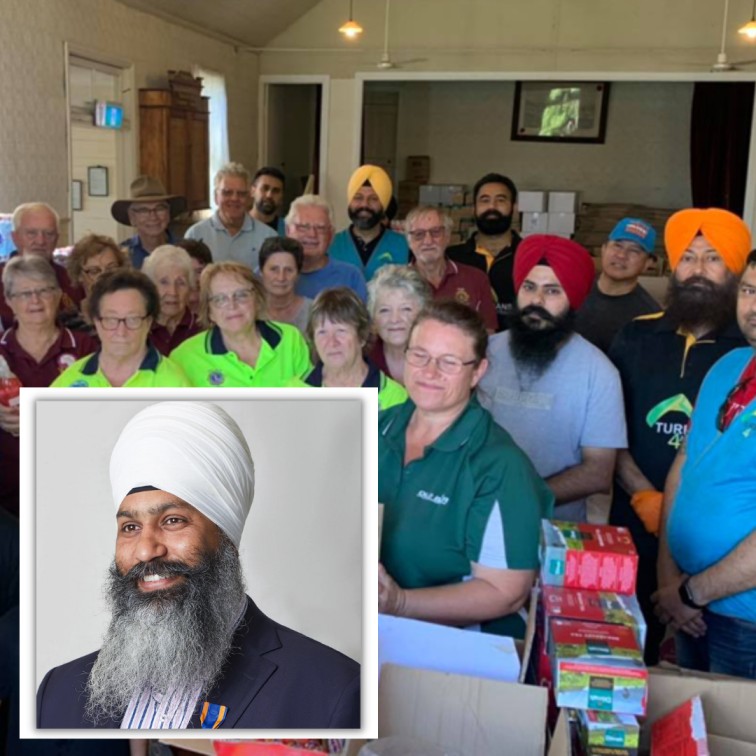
(35, 349)
(339, 329)
(201, 257)
(170, 269)
(123, 304)
(396, 294)
(281, 260)
(240, 347)
(463, 504)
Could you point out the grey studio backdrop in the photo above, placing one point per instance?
(301, 549)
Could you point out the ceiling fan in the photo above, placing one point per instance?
(386, 63)
(722, 64)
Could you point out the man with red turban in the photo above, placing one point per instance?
(662, 359)
(557, 394)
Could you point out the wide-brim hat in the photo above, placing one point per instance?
(146, 189)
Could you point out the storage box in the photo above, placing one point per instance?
(408, 191)
(429, 194)
(593, 557)
(533, 223)
(451, 194)
(563, 202)
(531, 202)
(418, 168)
(561, 224)
(608, 732)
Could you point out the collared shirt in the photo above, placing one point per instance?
(155, 371)
(334, 273)
(137, 253)
(165, 341)
(207, 361)
(243, 247)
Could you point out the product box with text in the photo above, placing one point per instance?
(604, 732)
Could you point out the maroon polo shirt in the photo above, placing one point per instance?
(165, 341)
(69, 347)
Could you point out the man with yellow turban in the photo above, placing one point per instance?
(662, 359)
(367, 243)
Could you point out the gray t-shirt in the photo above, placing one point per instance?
(576, 403)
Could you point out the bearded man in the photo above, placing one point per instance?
(662, 360)
(557, 394)
(367, 243)
(186, 647)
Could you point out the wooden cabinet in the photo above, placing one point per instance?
(173, 144)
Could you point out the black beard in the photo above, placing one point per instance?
(364, 218)
(700, 302)
(266, 207)
(493, 223)
(534, 350)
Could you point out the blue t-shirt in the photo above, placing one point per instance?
(391, 249)
(334, 274)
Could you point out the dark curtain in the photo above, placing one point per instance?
(720, 134)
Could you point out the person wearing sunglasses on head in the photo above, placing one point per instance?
(240, 347)
(123, 304)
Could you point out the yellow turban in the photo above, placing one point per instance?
(727, 233)
(376, 177)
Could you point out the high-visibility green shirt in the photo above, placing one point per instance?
(208, 362)
(155, 371)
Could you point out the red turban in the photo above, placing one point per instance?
(572, 264)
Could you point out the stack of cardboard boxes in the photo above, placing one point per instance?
(543, 212)
(417, 174)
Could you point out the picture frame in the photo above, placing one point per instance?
(97, 180)
(77, 200)
(560, 111)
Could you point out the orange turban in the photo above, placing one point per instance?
(727, 233)
(376, 177)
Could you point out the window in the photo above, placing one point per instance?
(214, 87)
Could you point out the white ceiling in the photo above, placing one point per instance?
(250, 23)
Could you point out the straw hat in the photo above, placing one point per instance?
(146, 189)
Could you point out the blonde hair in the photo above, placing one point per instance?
(231, 269)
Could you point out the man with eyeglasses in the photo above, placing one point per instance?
(707, 545)
(558, 395)
(231, 233)
(428, 232)
(35, 232)
(149, 209)
(310, 222)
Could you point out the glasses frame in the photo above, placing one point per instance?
(456, 366)
(136, 319)
(45, 292)
(223, 301)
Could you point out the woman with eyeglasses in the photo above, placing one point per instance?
(123, 305)
(170, 269)
(35, 349)
(281, 260)
(240, 347)
(463, 504)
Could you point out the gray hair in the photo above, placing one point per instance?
(33, 266)
(422, 210)
(308, 200)
(232, 169)
(398, 277)
(32, 207)
(168, 254)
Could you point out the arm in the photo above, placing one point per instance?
(629, 475)
(592, 475)
(732, 574)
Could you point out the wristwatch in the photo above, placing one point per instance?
(686, 596)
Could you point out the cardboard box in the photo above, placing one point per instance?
(561, 224)
(429, 194)
(563, 202)
(409, 191)
(418, 168)
(608, 730)
(593, 557)
(531, 202)
(533, 223)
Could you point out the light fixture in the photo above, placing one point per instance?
(749, 29)
(351, 29)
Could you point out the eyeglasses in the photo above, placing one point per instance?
(240, 296)
(31, 233)
(143, 212)
(132, 322)
(446, 363)
(229, 193)
(45, 292)
(724, 409)
(306, 228)
(420, 234)
(95, 272)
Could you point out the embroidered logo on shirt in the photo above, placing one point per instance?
(81, 383)
(216, 378)
(461, 295)
(441, 500)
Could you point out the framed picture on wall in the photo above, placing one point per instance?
(560, 111)
(97, 178)
(77, 202)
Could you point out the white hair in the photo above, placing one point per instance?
(308, 200)
(32, 207)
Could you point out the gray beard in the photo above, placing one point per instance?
(170, 638)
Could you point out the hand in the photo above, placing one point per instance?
(9, 420)
(648, 506)
(391, 597)
(695, 627)
(671, 611)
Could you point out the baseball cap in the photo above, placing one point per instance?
(635, 230)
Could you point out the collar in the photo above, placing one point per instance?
(372, 379)
(150, 362)
(65, 340)
(662, 323)
(187, 321)
(357, 241)
(268, 332)
(217, 223)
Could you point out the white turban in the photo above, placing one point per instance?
(193, 450)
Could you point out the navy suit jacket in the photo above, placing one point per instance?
(274, 678)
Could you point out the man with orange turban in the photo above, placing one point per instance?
(367, 243)
(558, 395)
(662, 359)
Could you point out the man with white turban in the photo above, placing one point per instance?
(186, 647)
(367, 243)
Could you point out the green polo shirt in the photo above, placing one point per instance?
(155, 371)
(472, 497)
(207, 362)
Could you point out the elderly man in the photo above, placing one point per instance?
(267, 194)
(35, 232)
(310, 222)
(367, 243)
(186, 647)
(707, 554)
(617, 297)
(557, 395)
(230, 232)
(428, 231)
(492, 247)
(149, 209)
(662, 360)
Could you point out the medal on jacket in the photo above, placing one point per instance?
(212, 715)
